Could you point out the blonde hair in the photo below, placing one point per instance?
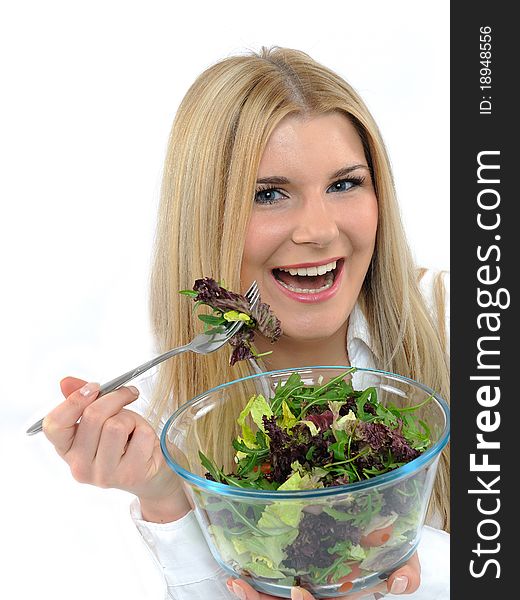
(216, 143)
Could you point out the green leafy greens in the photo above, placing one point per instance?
(228, 307)
(310, 437)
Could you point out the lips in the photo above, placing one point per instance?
(309, 282)
(316, 278)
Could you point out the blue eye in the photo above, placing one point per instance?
(268, 196)
(344, 185)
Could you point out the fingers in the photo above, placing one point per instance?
(298, 593)
(144, 450)
(71, 384)
(113, 442)
(244, 591)
(406, 579)
(94, 418)
(60, 424)
(106, 445)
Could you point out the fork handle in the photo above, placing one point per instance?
(113, 384)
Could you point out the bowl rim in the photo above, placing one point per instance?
(386, 478)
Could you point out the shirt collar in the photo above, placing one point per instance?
(358, 327)
(359, 341)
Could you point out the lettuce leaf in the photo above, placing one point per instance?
(268, 550)
(256, 407)
(348, 551)
(261, 570)
(379, 521)
(288, 420)
(259, 408)
(279, 516)
(225, 547)
(311, 426)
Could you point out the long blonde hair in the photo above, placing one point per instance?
(217, 140)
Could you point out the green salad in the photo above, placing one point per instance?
(226, 307)
(309, 437)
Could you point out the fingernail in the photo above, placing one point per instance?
(399, 585)
(89, 388)
(238, 591)
(296, 593)
(134, 390)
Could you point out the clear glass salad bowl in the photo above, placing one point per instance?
(334, 540)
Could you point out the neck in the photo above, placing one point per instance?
(288, 352)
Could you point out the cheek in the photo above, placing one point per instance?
(263, 238)
(362, 227)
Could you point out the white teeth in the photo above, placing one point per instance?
(321, 270)
(311, 271)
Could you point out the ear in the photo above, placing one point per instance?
(71, 384)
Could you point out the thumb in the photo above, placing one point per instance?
(298, 593)
(407, 579)
(71, 384)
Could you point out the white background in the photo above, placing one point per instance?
(89, 93)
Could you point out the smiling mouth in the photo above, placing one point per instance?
(308, 280)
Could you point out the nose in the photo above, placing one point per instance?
(315, 223)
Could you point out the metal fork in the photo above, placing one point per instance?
(204, 343)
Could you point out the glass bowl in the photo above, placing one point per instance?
(335, 540)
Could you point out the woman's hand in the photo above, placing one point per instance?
(112, 447)
(405, 580)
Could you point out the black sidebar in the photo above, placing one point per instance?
(485, 237)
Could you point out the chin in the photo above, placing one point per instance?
(299, 332)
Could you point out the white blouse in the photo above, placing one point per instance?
(184, 558)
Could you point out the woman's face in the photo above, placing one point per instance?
(313, 226)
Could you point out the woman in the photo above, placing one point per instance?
(274, 165)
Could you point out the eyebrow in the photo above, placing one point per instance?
(278, 180)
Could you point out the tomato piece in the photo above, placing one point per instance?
(265, 468)
(377, 537)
